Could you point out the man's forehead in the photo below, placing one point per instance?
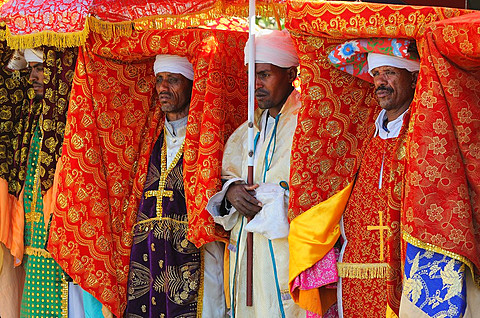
(386, 67)
(262, 67)
(168, 74)
(33, 64)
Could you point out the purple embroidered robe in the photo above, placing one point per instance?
(165, 268)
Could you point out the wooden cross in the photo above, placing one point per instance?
(160, 193)
(381, 228)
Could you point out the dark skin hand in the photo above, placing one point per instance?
(242, 197)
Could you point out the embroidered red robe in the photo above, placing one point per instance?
(371, 263)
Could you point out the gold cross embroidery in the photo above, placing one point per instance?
(381, 228)
(160, 193)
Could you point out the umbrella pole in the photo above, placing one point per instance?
(251, 104)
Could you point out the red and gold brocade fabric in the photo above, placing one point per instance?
(111, 128)
(338, 108)
(371, 263)
(129, 10)
(31, 17)
(442, 192)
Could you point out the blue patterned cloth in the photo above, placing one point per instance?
(435, 283)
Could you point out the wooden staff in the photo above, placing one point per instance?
(250, 130)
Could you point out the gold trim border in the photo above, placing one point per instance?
(125, 28)
(430, 247)
(37, 252)
(363, 270)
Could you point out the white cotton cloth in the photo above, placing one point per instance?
(17, 62)
(34, 55)
(173, 64)
(376, 60)
(271, 221)
(213, 304)
(393, 127)
(75, 301)
(175, 135)
(274, 47)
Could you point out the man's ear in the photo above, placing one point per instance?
(414, 79)
(292, 73)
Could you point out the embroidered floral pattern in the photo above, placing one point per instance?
(445, 278)
(351, 56)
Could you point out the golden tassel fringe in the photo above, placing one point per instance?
(110, 29)
(74, 39)
(64, 305)
(363, 271)
(113, 29)
(37, 252)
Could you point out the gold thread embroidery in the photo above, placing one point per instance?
(430, 247)
(161, 192)
(200, 288)
(363, 271)
(64, 305)
(380, 228)
(29, 250)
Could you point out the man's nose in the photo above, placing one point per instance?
(380, 79)
(33, 75)
(258, 82)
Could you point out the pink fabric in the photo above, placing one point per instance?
(323, 273)
(332, 312)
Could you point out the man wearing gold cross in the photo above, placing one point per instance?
(168, 274)
(369, 265)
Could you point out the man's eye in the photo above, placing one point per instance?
(172, 80)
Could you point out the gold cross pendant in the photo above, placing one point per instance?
(159, 194)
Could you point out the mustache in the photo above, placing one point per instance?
(384, 88)
(165, 94)
(37, 83)
(261, 91)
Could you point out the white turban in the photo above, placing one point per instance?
(173, 64)
(17, 62)
(274, 47)
(377, 60)
(34, 55)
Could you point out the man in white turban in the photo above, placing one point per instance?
(266, 201)
(169, 276)
(34, 58)
(369, 265)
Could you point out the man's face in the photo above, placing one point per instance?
(273, 85)
(394, 87)
(174, 94)
(36, 78)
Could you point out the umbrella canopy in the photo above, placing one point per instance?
(67, 23)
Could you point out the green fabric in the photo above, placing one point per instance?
(42, 295)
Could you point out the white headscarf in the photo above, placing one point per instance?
(274, 47)
(34, 55)
(17, 62)
(376, 60)
(173, 64)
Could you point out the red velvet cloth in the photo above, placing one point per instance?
(338, 108)
(111, 128)
(442, 193)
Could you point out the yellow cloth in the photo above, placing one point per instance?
(311, 236)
